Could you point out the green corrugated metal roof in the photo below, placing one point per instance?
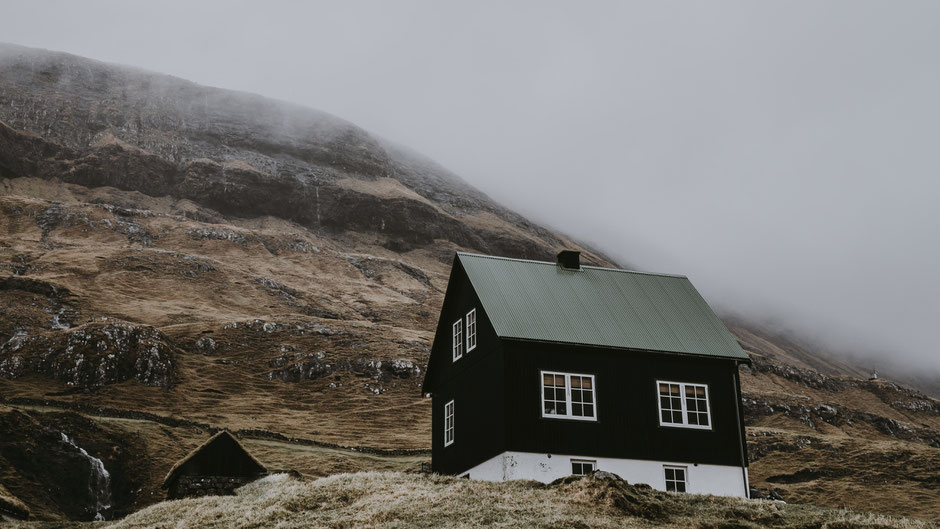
(535, 300)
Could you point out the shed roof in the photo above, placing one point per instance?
(221, 437)
(607, 307)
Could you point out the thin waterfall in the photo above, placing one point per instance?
(99, 480)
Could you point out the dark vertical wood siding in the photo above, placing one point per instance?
(479, 417)
(627, 405)
(475, 383)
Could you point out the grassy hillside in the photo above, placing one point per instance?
(397, 500)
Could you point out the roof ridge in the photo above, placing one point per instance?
(604, 268)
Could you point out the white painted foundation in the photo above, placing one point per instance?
(720, 480)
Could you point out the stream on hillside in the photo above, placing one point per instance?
(99, 480)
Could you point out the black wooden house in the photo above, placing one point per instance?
(541, 370)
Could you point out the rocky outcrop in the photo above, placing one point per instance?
(815, 416)
(93, 355)
(805, 377)
(896, 396)
(295, 367)
(49, 302)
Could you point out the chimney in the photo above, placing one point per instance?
(569, 259)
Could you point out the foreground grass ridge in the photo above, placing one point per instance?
(397, 500)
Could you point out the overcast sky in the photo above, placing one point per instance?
(782, 155)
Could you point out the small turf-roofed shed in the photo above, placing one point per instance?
(217, 467)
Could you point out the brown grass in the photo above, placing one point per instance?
(396, 500)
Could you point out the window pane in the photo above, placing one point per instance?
(670, 473)
(576, 382)
(548, 380)
(587, 383)
(577, 410)
(664, 389)
(666, 416)
(588, 410)
(696, 404)
(581, 468)
(670, 486)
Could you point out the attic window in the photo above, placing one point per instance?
(458, 339)
(675, 478)
(684, 405)
(568, 396)
(471, 330)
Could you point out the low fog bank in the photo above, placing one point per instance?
(855, 309)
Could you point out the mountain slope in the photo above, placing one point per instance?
(242, 155)
(177, 258)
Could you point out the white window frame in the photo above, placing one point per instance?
(471, 330)
(685, 411)
(568, 410)
(457, 343)
(592, 462)
(449, 423)
(685, 480)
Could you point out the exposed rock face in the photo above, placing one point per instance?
(295, 367)
(814, 416)
(96, 124)
(894, 395)
(93, 355)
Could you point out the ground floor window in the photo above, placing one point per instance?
(676, 480)
(582, 467)
(449, 423)
(568, 396)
